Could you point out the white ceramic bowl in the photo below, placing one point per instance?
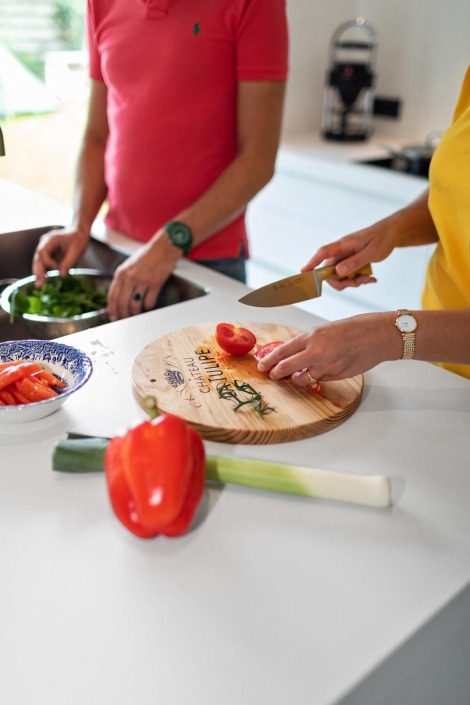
(70, 364)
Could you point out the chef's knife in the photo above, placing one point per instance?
(299, 287)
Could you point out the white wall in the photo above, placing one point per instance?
(423, 52)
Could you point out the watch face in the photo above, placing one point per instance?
(406, 323)
(180, 235)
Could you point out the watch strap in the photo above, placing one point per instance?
(408, 338)
(408, 346)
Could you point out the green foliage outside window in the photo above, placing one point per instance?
(68, 17)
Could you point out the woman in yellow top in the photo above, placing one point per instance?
(440, 332)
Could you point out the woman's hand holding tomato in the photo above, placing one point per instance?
(337, 350)
(238, 341)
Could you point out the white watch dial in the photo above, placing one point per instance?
(406, 323)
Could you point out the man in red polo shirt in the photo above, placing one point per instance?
(183, 129)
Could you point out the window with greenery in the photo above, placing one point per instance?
(43, 92)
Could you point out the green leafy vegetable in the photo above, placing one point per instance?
(59, 298)
(226, 391)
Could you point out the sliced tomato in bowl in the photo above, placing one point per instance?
(234, 339)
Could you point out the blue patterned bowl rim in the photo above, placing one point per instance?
(74, 361)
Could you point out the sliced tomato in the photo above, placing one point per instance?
(265, 349)
(233, 339)
(316, 389)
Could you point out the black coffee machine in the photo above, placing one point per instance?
(348, 99)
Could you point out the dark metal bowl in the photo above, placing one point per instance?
(45, 327)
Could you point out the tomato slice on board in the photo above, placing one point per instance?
(233, 339)
(316, 389)
(265, 349)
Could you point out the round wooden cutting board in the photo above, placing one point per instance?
(183, 369)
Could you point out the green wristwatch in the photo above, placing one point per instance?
(179, 234)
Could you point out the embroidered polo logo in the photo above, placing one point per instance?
(196, 29)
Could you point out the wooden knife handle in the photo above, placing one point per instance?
(329, 272)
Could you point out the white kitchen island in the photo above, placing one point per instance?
(270, 599)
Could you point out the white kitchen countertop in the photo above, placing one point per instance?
(342, 163)
(270, 599)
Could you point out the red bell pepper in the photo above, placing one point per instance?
(155, 475)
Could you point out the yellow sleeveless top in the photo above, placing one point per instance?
(447, 284)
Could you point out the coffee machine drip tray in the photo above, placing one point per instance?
(348, 97)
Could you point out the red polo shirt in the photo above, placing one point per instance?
(171, 68)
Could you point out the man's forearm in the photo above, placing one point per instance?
(90, 187)
(259, 120)
(226, 198)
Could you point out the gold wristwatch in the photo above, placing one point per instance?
(406, 324)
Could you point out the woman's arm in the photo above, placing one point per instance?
(351, 346)
(409, 226)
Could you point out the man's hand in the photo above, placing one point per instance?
(58, 249)
(137, 281)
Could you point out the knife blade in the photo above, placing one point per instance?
(296, 288)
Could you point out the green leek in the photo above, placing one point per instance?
(83, 454)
